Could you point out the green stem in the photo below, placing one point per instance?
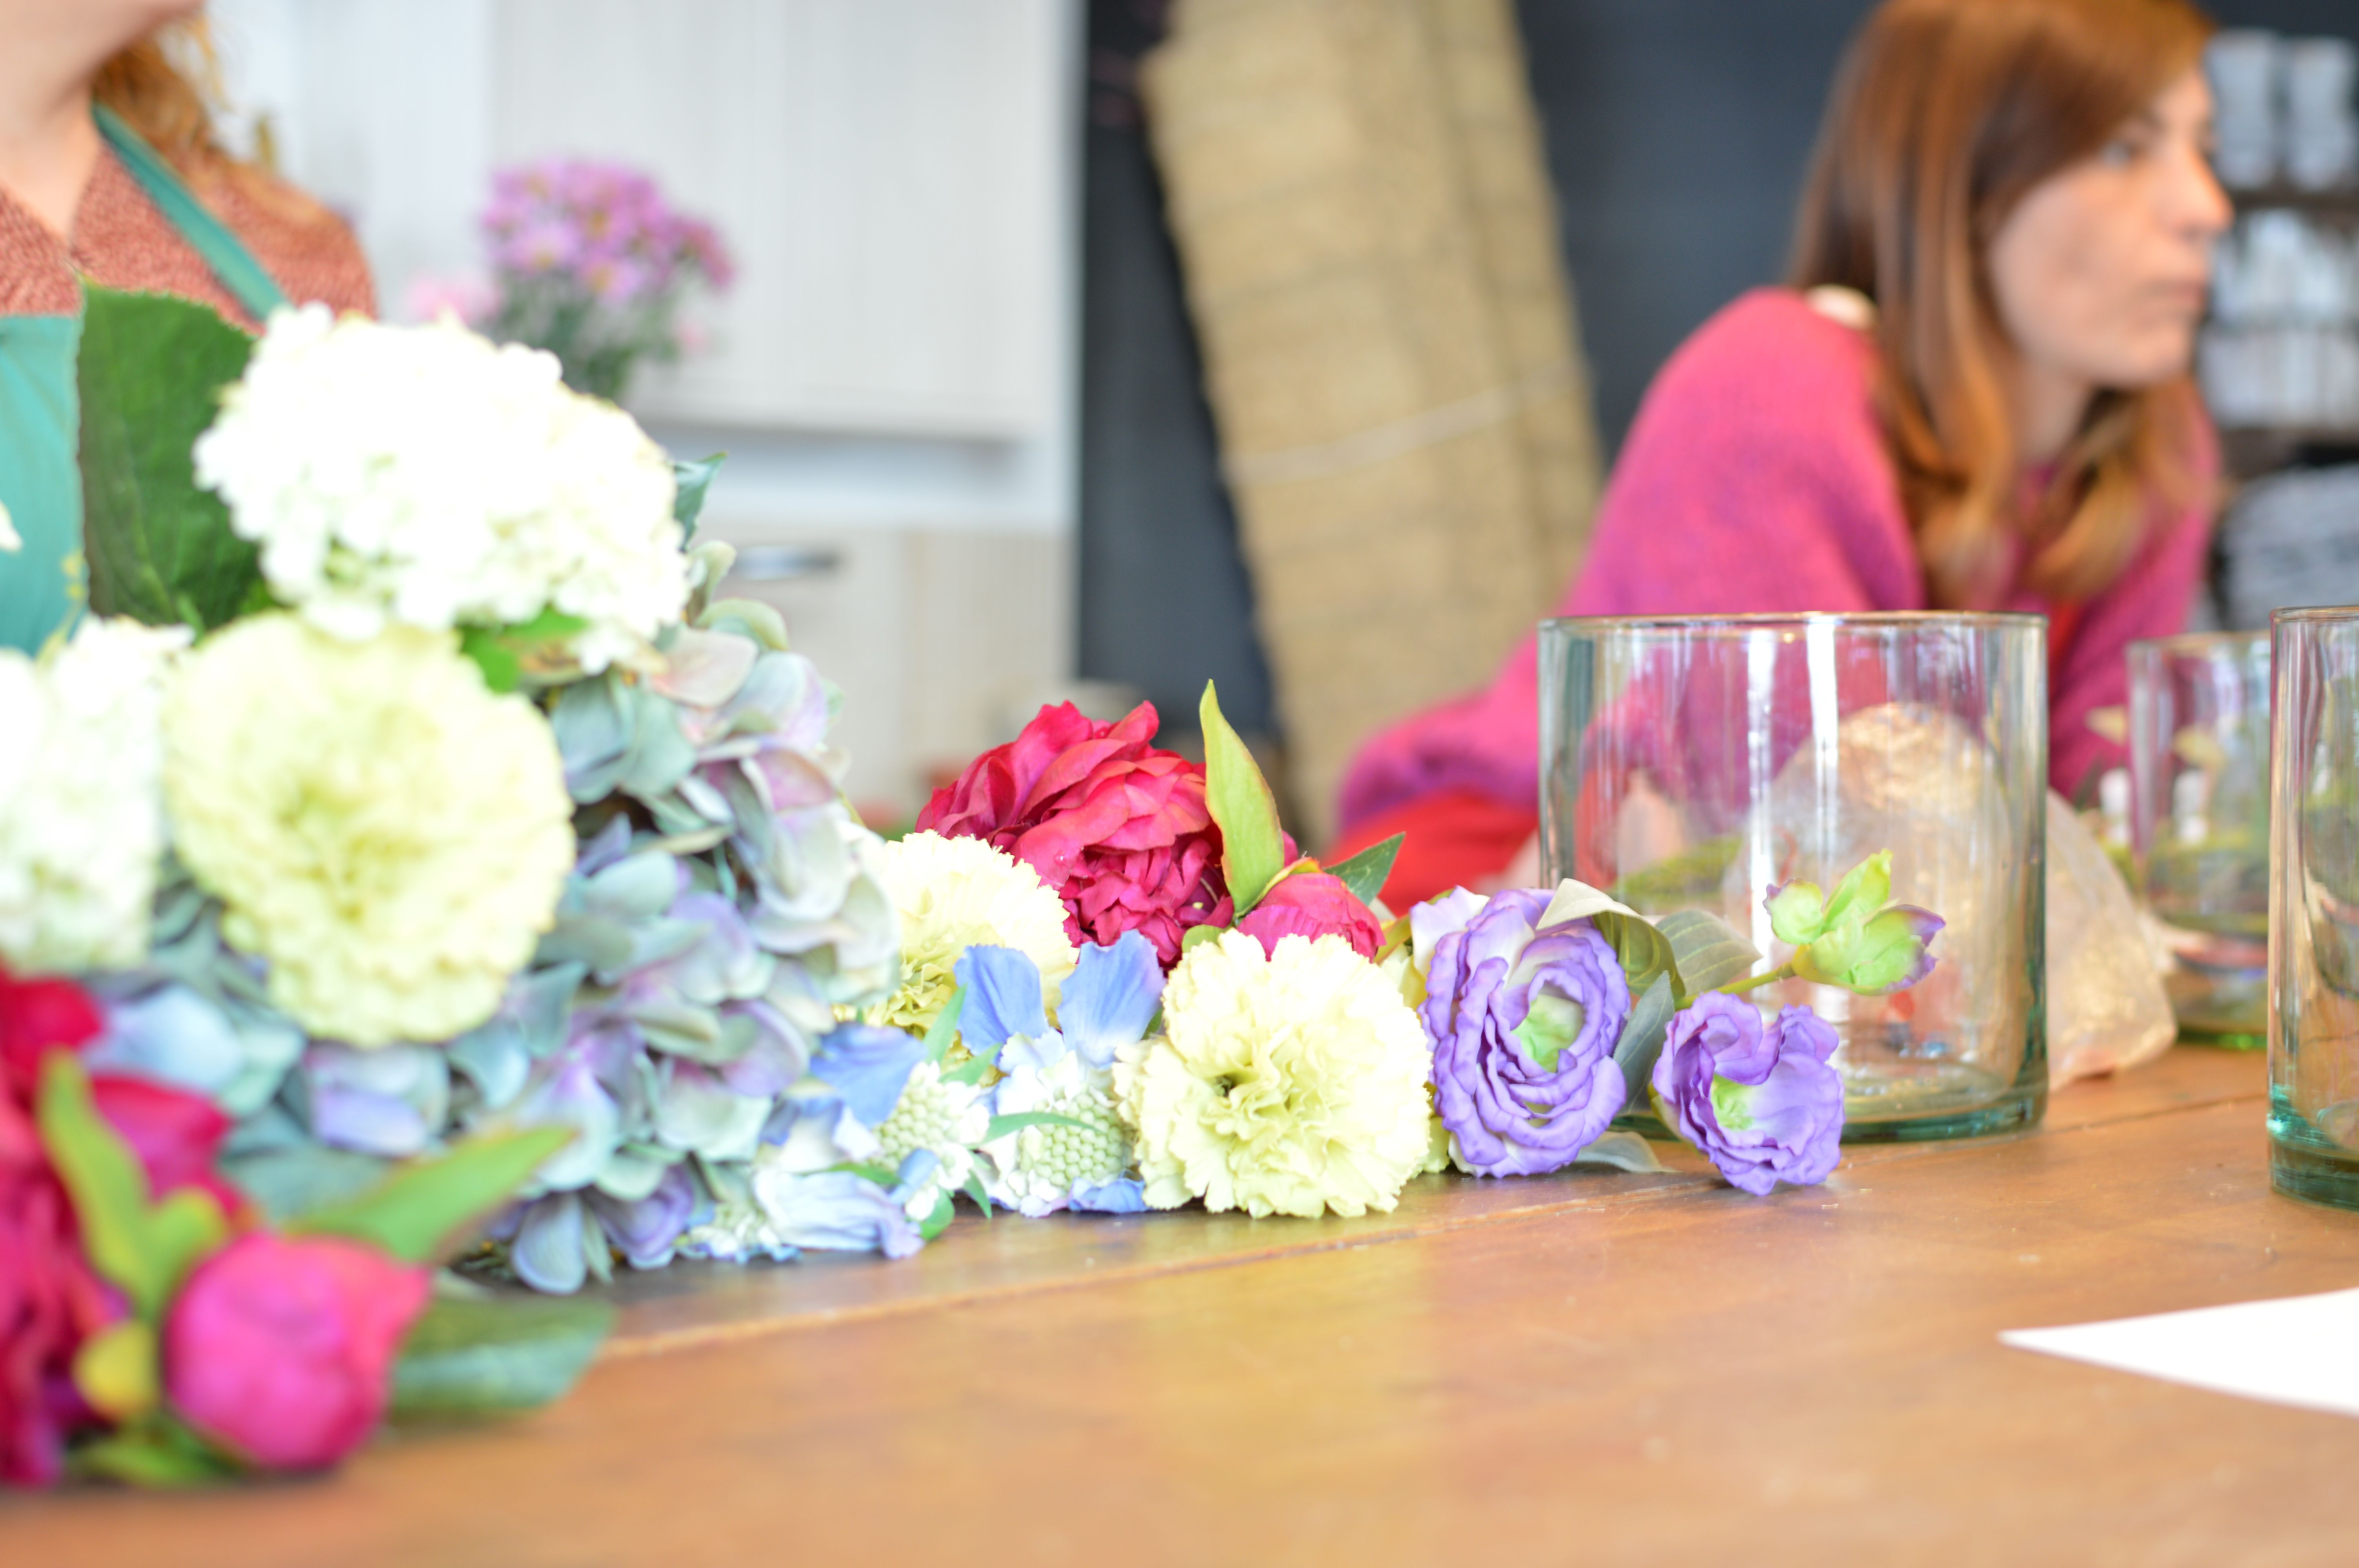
(1783, 972)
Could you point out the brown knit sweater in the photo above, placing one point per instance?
(122, 240)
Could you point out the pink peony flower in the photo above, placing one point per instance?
(1314, 905)
(1117, 827)
(281, 1348)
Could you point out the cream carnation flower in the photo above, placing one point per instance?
(425, 476)
(82, 826)
(956, 894)
(1284, 1083)
(390, 835)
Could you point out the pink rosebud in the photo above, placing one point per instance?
(281, 1348)
(1314, 905)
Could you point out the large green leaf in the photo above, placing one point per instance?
(160, 549)
(1708, 950)
(1364, 872)
(142, 1248)
(1641, 1042)
(421, 1209)
(1252, 846)
(691, 481)
(472, 1357)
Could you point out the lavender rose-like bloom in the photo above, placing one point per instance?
(1522, 1023)
(1759, 1100)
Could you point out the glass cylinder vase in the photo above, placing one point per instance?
(1698, 763)
(2199, 823)
(2313, 1012)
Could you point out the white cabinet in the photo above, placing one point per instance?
(894, 374)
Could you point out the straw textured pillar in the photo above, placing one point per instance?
(1368, 244)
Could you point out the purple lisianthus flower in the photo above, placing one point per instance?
(1522, 1023)
(1760, 1100)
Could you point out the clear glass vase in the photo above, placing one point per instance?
(2313, 1012)
(1695, 762)
(2199, 823)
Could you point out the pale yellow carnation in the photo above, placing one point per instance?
(956, 894)
(385, 832)
(1284, 1083)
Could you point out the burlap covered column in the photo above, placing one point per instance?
(1359, 200)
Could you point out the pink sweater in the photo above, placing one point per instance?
(1756, 478)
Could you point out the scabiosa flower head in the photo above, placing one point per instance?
(1762, 1102)
(420, 475)
(1082, 1159)
(390, 835)
(1524, 1024)
(1287, 1083)
(956, 894)
(81, 823)
(938, 1118)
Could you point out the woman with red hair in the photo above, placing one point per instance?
(1974, 394)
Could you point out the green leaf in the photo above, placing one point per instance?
(160, 549)
(972, 1071)
(1578, 900)
(1642, 1038)
(143, 1248)
(117, 1372)
(1364, 872)
(501, 652)
(1253, 845)
(882, 1175)
(1645, 952)
(1016, 1122)
(1622, 1151)
(1197, 935)
(690, 481)
(476, 1356)
(1707, 950)
(974, 1191)
(944, 1030)
(938, 1220)
(157, 1452)
(503, 670)
(426, 1205)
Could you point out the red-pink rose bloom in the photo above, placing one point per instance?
(1119, 828)
(1314, 905)
(281, 1348)
(51, 1299)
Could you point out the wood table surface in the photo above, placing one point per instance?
(1587, 1368)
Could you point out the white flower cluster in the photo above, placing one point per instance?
(426, 476)
(81, 823)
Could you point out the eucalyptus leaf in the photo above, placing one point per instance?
(1645, 952)
(1707, 950)
(467, 1357)
(1364, 872)
(160, 549)
(1253, 845)
(1578, 900)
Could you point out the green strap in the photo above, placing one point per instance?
(231, 262)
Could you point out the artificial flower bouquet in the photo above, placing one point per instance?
(159, 1331)
(1123, 989)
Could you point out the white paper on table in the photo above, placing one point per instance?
(2300, 1350)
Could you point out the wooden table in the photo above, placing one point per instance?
(1590, 1368)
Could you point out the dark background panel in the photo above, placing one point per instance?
(1677, 135)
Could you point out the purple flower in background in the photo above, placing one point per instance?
(1522, 1023)
(1760, 1100)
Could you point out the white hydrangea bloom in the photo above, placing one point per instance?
(427, 476)
(82, 822)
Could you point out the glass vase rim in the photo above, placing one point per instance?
(2197, 642)
(1864, 619)
(2316, 614)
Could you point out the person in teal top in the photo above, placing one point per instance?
(108, 173)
